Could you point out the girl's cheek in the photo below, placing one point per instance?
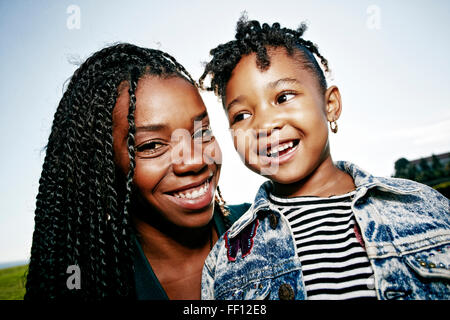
(242, 140)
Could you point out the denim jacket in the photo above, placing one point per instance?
(405, 227)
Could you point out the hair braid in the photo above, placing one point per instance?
(82, 214)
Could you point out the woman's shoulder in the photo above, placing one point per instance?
(224, 220)
(237, 210)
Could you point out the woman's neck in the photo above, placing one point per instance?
(173, 242)
(325, 181)
(177, 256)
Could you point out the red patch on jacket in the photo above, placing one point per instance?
(243, 241)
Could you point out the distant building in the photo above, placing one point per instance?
(444, 158)
(433, 171)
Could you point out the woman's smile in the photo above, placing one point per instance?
(176, 175)
(194, 196)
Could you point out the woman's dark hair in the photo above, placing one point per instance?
(82, 208)
(251, 37)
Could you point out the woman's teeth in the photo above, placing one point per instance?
(193, 192)
(276, 150)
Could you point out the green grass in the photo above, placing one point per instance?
(12, 283)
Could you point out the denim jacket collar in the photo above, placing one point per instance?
(363, 182)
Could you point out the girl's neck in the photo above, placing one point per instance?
(325, 181)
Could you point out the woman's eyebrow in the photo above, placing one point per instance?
(151, 127)
(161, 126)
(201, 116)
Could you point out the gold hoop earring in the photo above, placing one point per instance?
(333, 126)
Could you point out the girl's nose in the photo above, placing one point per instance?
(267, 122)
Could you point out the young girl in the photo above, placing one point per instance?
(317, 229)
(117, 215)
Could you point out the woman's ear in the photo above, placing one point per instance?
(333, 102)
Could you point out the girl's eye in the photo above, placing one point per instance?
(150, 147)
(204, 134)
(240, 117)
(284, 97)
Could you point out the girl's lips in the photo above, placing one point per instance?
(284, 156)
(197, 203)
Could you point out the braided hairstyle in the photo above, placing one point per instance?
(251, 37)
(82, 208)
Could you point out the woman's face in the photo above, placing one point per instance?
(177, 157)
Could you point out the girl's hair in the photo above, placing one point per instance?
(82, 208)
(251, 37)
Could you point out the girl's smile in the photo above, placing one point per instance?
(281, 152)
(279, 117)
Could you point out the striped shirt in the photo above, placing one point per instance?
(335, 266)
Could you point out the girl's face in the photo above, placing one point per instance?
(177, 157)
(279, 116)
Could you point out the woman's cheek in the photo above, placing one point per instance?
(147, 174)
(212, 153)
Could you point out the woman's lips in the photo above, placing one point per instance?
(195, 198)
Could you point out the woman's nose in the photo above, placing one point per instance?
(187, 156)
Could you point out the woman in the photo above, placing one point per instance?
(118, 202)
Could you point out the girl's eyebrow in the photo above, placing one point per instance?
(283, 81)
(234, 101)
(270, 85)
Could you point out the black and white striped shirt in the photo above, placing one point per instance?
(334, 264)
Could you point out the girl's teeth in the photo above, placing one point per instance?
(280, 148)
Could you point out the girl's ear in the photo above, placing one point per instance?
(333, 102)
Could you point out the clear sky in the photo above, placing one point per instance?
(389, 59)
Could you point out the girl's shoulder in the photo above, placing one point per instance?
(411, 186)
(412, 196)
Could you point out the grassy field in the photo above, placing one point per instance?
(12, 283)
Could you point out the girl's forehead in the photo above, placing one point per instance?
(282, 65)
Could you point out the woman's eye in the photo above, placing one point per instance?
(284, 97)
(240, 117)
(204, 134)
(150, 147)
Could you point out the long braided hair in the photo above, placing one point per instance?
(252, 37)
(82, 213)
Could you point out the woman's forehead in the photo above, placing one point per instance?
(172, 102)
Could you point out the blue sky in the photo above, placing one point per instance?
(389, 59)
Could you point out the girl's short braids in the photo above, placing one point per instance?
(252, 37)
